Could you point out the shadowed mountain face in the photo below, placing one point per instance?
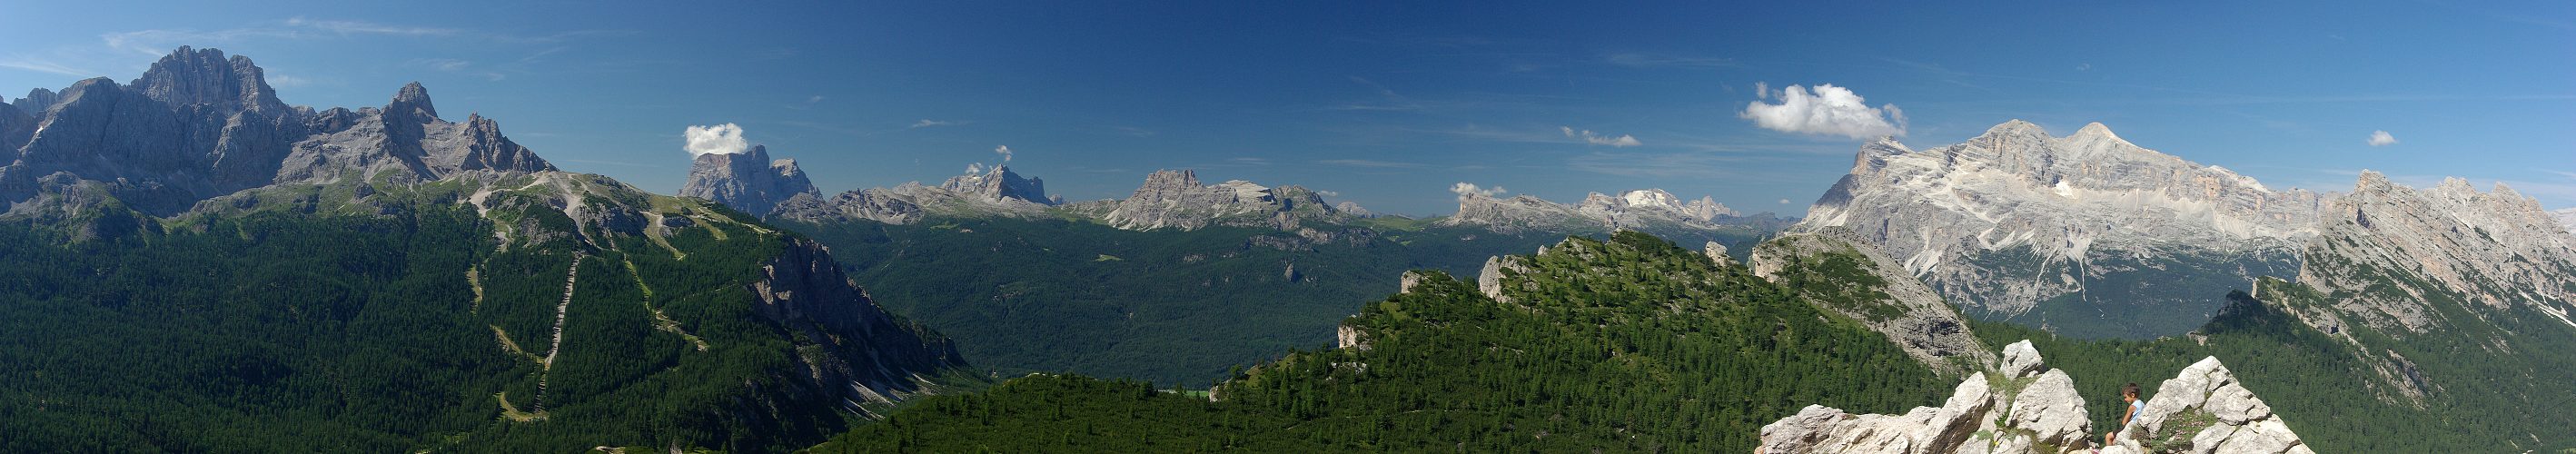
(199, 124)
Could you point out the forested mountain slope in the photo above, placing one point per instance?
(1630, 343)
(189, 265)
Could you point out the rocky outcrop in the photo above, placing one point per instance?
(2022, 406)
(747, 181)
(2019, 407)
(1174, 199)
(2205, 410)
(1490, 280)
(2566, 218)
(200, 124)
(1890, 301)
(2015, 216)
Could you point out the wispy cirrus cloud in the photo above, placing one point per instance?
(1643, 60)
(1388, 100)
(352, 27)
(929, 123)
(459, 67)
(1371, 163)
(156, 42)
(1656, 165)
(1623, 140)
(44, 66)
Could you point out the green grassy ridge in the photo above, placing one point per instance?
(1629, 343)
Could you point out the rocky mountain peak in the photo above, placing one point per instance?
(200, 124)
(36, 101)
(2015, 127)
(1956, 214)
(412, 100)
(1174, 199)
(205, 76)
(749, 181)
(1166, 180)
(1000, 184)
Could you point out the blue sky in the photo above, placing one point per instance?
(1391, 104)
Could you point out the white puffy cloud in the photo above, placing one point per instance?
(1784, 201)
(1005, 151)
(2382, 139)
(1465, 189)
(1828, 110)
(719, 139)
(974, 168)
(1589, 137)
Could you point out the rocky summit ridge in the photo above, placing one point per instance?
(1641, 209)
(1174, 199)
(199, 124)
(2020, 405)
(2495, 250)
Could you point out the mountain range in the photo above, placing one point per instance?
(1127, 287)
(195, 266)
(235, 274)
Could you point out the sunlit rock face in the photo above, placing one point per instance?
(2070, 233)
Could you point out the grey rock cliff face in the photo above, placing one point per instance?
(2025, 407)
(199, 124)
(747, 181)
(1979, 219)
(1174, 199)
(2489, 251)
(1517, 214)
(36, 101)
(1927, 328)
(1000, 184)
